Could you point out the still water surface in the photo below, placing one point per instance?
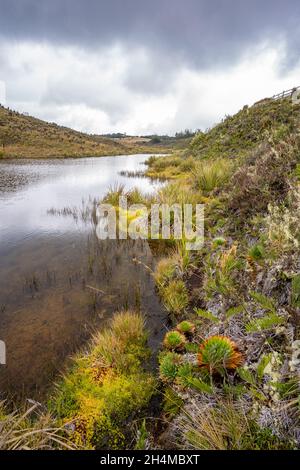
(50, 261)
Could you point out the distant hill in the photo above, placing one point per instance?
(179, 141)
(24, 136)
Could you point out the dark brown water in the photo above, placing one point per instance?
(51, 263)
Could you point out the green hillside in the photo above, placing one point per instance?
(24, 136)
(233, 138)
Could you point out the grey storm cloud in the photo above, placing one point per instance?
(203, 33)
(145, 65)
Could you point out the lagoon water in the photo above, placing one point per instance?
(58, 282)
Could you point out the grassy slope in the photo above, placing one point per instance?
(244, 284)
(25, 136)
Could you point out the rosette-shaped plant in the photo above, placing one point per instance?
(219, 353)
(174, 340)
(168, 365)
(186, 328)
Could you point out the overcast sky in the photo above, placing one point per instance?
(145, 66)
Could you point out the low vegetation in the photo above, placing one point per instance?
(228, 367)
(32, 429)
(107, 386)
(23, 136)
(234, 382)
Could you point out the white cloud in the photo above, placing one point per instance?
(2, 93)
(121, 89)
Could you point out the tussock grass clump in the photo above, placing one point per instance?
(178, 193)
(218, 354)
(107, 386)
(167, 168)
(134, 196)
(114, 194)
(164, 271)
(188, 164)
(227, 426)
(221, 273)
(209, 175)
(175, 296)
(174, 340)
(31, 430)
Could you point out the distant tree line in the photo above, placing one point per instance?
(186, 134)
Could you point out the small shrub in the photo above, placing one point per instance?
(283, 227)
(174, 340)
(265, 302)
(267, 322)
(219, 353)
(253, 189)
